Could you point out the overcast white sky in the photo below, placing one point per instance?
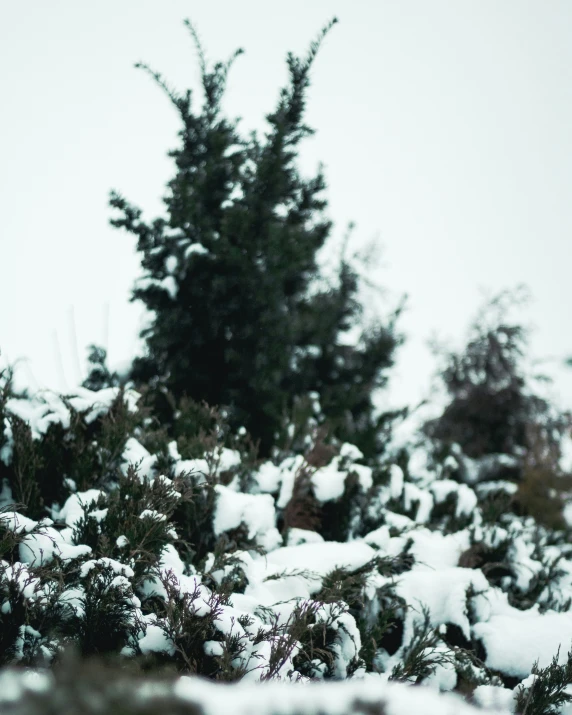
(444, 128)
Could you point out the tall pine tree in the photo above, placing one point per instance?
(230, 273)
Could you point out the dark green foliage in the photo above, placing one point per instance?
(336, 515)
(13, 612)
(227, 563)
(381, 628)
(88, 453)
(231, 274)
(548, 692)
(385, 630)
(152, 580)
(194, 516)
(422, 656)
(93, 609)
(285, 638)
(493, 561)
(444, 515)
(107, 620)
(498, 564)
(6, 392)
(347, 585)
(9, 539)
(490, 406)
(22, 476)
(30, 627)
(139, 510)
(317, 637)
(495, 504)
(303, 509)
(336, 519)
(544, 487)
(187, 627)
(541, 589)
(99, 376)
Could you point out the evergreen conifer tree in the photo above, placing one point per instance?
(231, 274)
(493, 405)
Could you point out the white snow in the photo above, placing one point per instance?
(334, 698)
(443, 591)
(171, 263)
(255, 511)
(268, 477)
(515, 639)
(74, 508)
(152, 515)
(319, 559)
(135, 454)
(195, 248)
(493, 696)
(303, 536)
(46, 407)
(115, 566)
(328, 482)
(156, 641)
(435, 550)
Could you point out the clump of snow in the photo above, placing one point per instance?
(152, 515)
(396, 481)
(494, 697)
(435, 550)
(47, 408)
(328, 482)
(412, 494)
(136, 454)
(267, 478)
(443, 592)
(156, 640)
(303, 536)
(197, 249)
(104, 561)
(466, 497)
(319, 559)
(514, 640)
(255, 511)
(74, 508)
(289, 470)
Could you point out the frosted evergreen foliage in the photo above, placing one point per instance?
(311, 568)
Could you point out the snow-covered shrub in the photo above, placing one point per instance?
(546, 689)
(59, 444)
(216, 564)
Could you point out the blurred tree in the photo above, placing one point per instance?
(241, 316)
(493, 404)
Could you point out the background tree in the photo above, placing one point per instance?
(494, 404)
(231, 273)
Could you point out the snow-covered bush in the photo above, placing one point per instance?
(206, 565)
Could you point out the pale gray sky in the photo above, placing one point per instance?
(444, 128)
